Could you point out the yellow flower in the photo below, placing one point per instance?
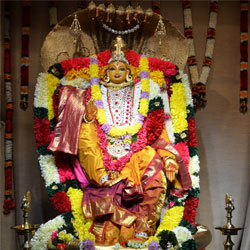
(80, 223)
(153, 238)
(65, 237)
(81, 73)
(116, 132)
(145, 85)
(132, 130)
(143, 109)
(96, 93)
(101, 117)
(171, 219)
(135, 72)
(52, 83)
(143, 65)
(158, 77)
(178, 108)
(93, 70)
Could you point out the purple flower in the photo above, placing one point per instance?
(144, 74)
(93, 60)
(154, 245)
(94, 80)
(141, 118)
(144, 95)
(99, 104)
(88, 244)
(106, 128)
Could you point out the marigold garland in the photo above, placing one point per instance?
(25, 55)
(243, 56)
(199, 82)
(179, 106)
(8, 193)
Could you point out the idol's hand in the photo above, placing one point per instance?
(171, 168)
(91, 111)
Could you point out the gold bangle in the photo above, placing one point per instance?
(86, 121)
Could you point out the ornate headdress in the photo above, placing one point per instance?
(118, 47)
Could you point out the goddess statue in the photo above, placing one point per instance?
(116, 128)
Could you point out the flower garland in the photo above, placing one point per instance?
(8, 198)
(199, 82)
(243, 56)
(25, 55)
(178, 214)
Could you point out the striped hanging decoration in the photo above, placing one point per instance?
(25, 55)
(199, 82)
(52, 13)
(8, 195)
(156, 7)
(243, 56)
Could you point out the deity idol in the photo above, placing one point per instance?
(123, 149)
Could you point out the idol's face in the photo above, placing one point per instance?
(117, 72)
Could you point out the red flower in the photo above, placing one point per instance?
(182, 148)
(190, 210)
(154, 125)
(103, 57)
(42, 131)
(61, 202)
(168, 68)
(61, 246)
(133, 58)
(64, 164)
(75, 63)
(192, 140)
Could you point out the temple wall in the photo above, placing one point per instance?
(223, 132)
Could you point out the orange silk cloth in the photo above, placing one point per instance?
(90, 157)
(145, 176)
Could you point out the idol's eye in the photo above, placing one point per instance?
(122, 69)
(112, 68)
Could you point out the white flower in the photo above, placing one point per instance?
(48, 169)
(78, 82)
(182, 234)
(154, 90)
(188, 92)
(168, 122)
(43, 234)
(40, 95)
(194, 165)
(195, 181)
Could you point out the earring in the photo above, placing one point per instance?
(129, 78)
(106, 78)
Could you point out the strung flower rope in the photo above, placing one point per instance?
(52, 13)
(156, 7)
(199, 83)
(25, 55)
(8, 199)
(243, 56)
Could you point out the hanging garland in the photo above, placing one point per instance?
(25, 55)
(156, 7)
(199, 82)
(8, 200)
(243, 56)
(52, 13)
(178, 214)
